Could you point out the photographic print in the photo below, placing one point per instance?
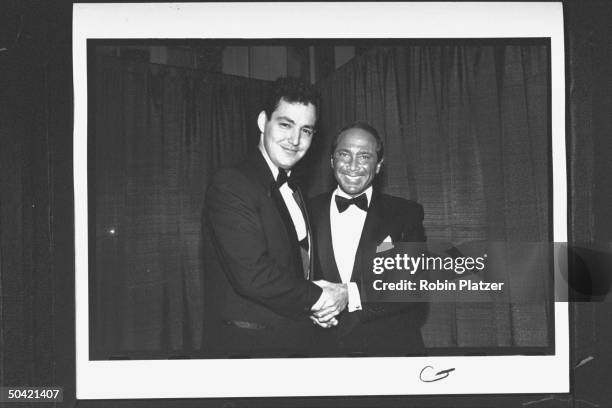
(230, 224)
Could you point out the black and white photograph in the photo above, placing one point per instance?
(240, 193)
(183, 255)
(305, 204)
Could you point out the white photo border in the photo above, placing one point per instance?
(214, 378)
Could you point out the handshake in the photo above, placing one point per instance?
(332, 301)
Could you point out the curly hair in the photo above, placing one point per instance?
(292, 90)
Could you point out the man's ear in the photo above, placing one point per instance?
(331, 161)
(261, 120)
(379, 165)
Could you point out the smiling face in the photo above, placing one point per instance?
(287, 134)
(354, 161)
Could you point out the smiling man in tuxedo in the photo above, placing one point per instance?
(349, 224)
(260, 229)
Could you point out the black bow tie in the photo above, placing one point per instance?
(282, 177)
(360, 201)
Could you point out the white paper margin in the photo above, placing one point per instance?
(314, 377)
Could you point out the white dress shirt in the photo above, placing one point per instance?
(346, 229)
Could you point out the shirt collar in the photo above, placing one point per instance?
(368, 192)
(266, 156)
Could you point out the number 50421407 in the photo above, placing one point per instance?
(8, 394)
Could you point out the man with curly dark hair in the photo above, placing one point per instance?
(260, 228)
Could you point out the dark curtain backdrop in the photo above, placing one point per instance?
(465, 129)
(466, 134)
(160, 132)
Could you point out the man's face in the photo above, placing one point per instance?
(287, 134)
(354, 161)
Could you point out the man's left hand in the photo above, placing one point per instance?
(326, 325)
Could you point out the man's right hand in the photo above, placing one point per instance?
(332, 301)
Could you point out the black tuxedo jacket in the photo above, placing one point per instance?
(379, 328)
(256, 244)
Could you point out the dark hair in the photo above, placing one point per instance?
(380, 147)
(292, 90)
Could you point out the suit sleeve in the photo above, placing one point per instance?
(412, 231)
(233, 218)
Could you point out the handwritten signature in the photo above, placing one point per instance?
(426, 376)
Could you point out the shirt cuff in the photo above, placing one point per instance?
(354, 300)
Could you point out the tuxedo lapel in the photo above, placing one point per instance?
(264, 176)
(329, 269)
(299, 198)
(284, 213)
(259, 171)
(372, 234)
